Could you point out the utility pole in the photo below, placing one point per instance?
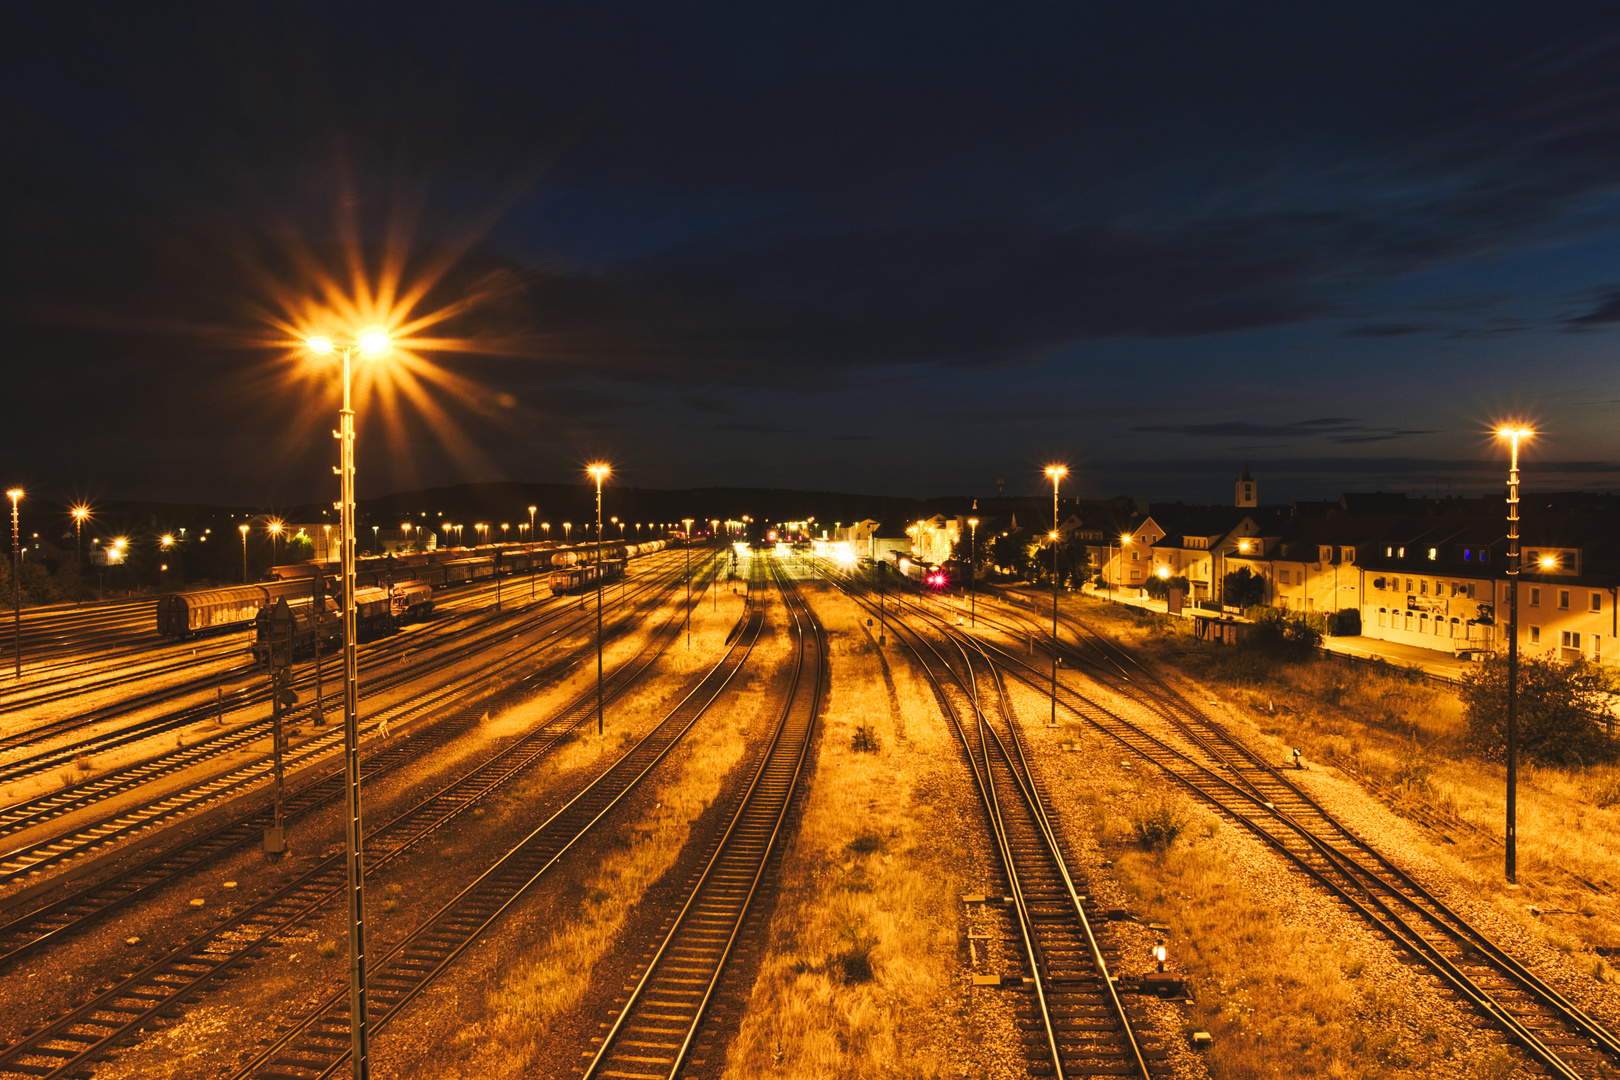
(973, 573)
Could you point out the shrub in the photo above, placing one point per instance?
(1559, 710)
(1285, 635)
(866, 844)
(1158, 824)
(865, 740)
(854, 963)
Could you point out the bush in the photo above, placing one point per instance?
(1560, 708)
(865, 740)
(1285, 635)
(1157, 825)
(1346, 622)
(855, 962)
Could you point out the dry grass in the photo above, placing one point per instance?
(1402, 738)
(863, 954)
(1280, 997)
(552, 979)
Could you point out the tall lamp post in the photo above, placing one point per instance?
(372, 344)
(243, 529)
(973, 574)
(80, 514)
(532, 509)
(1057, 473)
(1513, 435)
(15, 494)
(599, 472)
(688, 523)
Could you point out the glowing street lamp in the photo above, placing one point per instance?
(1057, 473)
(15, 495)
(1513, 435)
(599, 472)
(532, 509)
(372, 344)
(274, 529)
(243, 529)
(568, 527)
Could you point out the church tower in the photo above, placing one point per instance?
(1246, 492)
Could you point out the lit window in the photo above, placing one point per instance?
(1400, 552)
(1434, 553)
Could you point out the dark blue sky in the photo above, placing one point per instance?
(889, 248)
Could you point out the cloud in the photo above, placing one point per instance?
(1607, 311)
(1380, 330)
(1237, 428)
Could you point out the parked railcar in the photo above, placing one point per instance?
(583, 577)
(374, 616)
(182, 614)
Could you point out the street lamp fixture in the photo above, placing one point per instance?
(1057, 473)
(598, 472)
(1513, 435)
(372, 344)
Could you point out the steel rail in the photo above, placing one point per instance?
(1267, 785)
(1016, 769)
(70, 1042)
(37, 856)
(660, 1012)
(380, 655)
(1366, 890)
(26, 933)
(317, 1045)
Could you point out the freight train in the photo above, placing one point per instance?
(584, 576)
(182, 615)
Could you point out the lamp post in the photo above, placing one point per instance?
(376, 532)
(275, 535)
(374, 344)
(688, 522)
(80, 513)
(568, 529)
(243, 529)
(1057, 473)
(973, 573)
(15, 494)
(598, 473)
(1513, 435)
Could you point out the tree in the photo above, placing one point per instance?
(1560, 710)
(1012, 553)
(1159, 588)
(1243, 588)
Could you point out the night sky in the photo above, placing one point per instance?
(890, 248)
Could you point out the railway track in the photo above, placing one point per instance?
(655, 1032)
(379, 656)
(1554, 1032)
(318, 1044)
(71, 1043)
(69, 914)
(1076, 1023)
(33, 858)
